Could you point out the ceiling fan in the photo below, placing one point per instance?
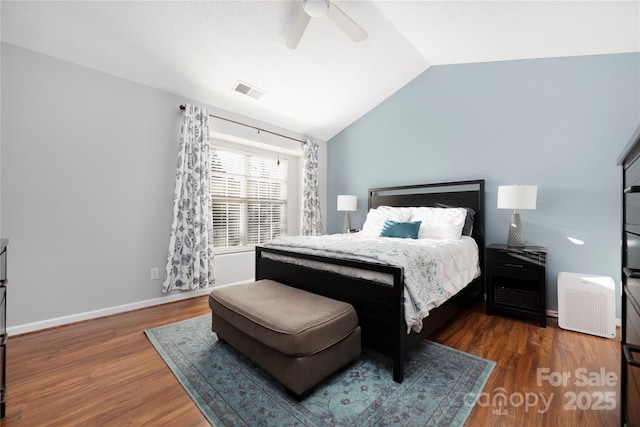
(317, 9)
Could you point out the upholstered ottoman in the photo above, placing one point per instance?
(300, 338)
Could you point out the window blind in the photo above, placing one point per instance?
(249, 197)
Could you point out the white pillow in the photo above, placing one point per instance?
(439, 223)
(404, 213)
(376, 217)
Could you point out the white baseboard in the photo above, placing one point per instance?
(65, 320)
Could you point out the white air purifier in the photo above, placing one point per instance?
(586, 303)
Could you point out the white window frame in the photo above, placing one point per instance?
(293, 183)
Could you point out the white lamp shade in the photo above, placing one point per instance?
(347, 203)
(517, 196)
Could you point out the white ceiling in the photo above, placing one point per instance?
(200, 49)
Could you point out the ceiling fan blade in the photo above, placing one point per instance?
(298, 30)
(346, 24)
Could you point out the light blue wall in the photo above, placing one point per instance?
(557, 123)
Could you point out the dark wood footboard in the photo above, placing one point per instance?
(380, 307)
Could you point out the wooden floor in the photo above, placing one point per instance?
(105, 372)
(543, 376)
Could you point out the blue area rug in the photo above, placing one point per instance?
(440, 387)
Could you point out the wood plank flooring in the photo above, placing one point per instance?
(104, 372)
(579, 381)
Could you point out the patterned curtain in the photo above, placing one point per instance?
(310, 222)
(190, 260)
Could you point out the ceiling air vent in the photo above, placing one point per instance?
(246, 89)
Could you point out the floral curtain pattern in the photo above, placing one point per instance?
(310, 221)
(190, 260)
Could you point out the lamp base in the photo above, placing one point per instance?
(516, 238)
(347, 223)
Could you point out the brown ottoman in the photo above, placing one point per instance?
(298, 337)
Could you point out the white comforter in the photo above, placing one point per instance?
(434, 270)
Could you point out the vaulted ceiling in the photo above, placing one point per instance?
(201, 49)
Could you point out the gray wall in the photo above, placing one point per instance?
(87, 173)
(557, 123)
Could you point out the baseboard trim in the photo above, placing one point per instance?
(95, 314)
(65, 320)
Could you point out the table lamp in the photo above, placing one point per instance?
(516, 197)
(347, 204)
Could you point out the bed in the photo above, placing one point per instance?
(377, 290)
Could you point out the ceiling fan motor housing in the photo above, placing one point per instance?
(316, 8)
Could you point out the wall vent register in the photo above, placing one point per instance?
(247, 89)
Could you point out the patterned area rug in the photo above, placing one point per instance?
(440, 386)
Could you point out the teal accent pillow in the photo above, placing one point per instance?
(405, 230)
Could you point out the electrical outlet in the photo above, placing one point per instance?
(154, 274)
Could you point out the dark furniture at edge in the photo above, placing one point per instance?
(3, 325)
(380, 307)
(630, 351)
(516, 281)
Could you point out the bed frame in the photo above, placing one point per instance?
(380, 307)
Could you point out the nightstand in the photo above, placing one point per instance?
(516, 281)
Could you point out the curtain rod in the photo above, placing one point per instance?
(182, 107)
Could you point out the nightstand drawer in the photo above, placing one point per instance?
(513, 297)
(517, 260)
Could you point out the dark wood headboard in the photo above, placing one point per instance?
(457, 194)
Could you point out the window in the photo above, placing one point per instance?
(249, 198)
